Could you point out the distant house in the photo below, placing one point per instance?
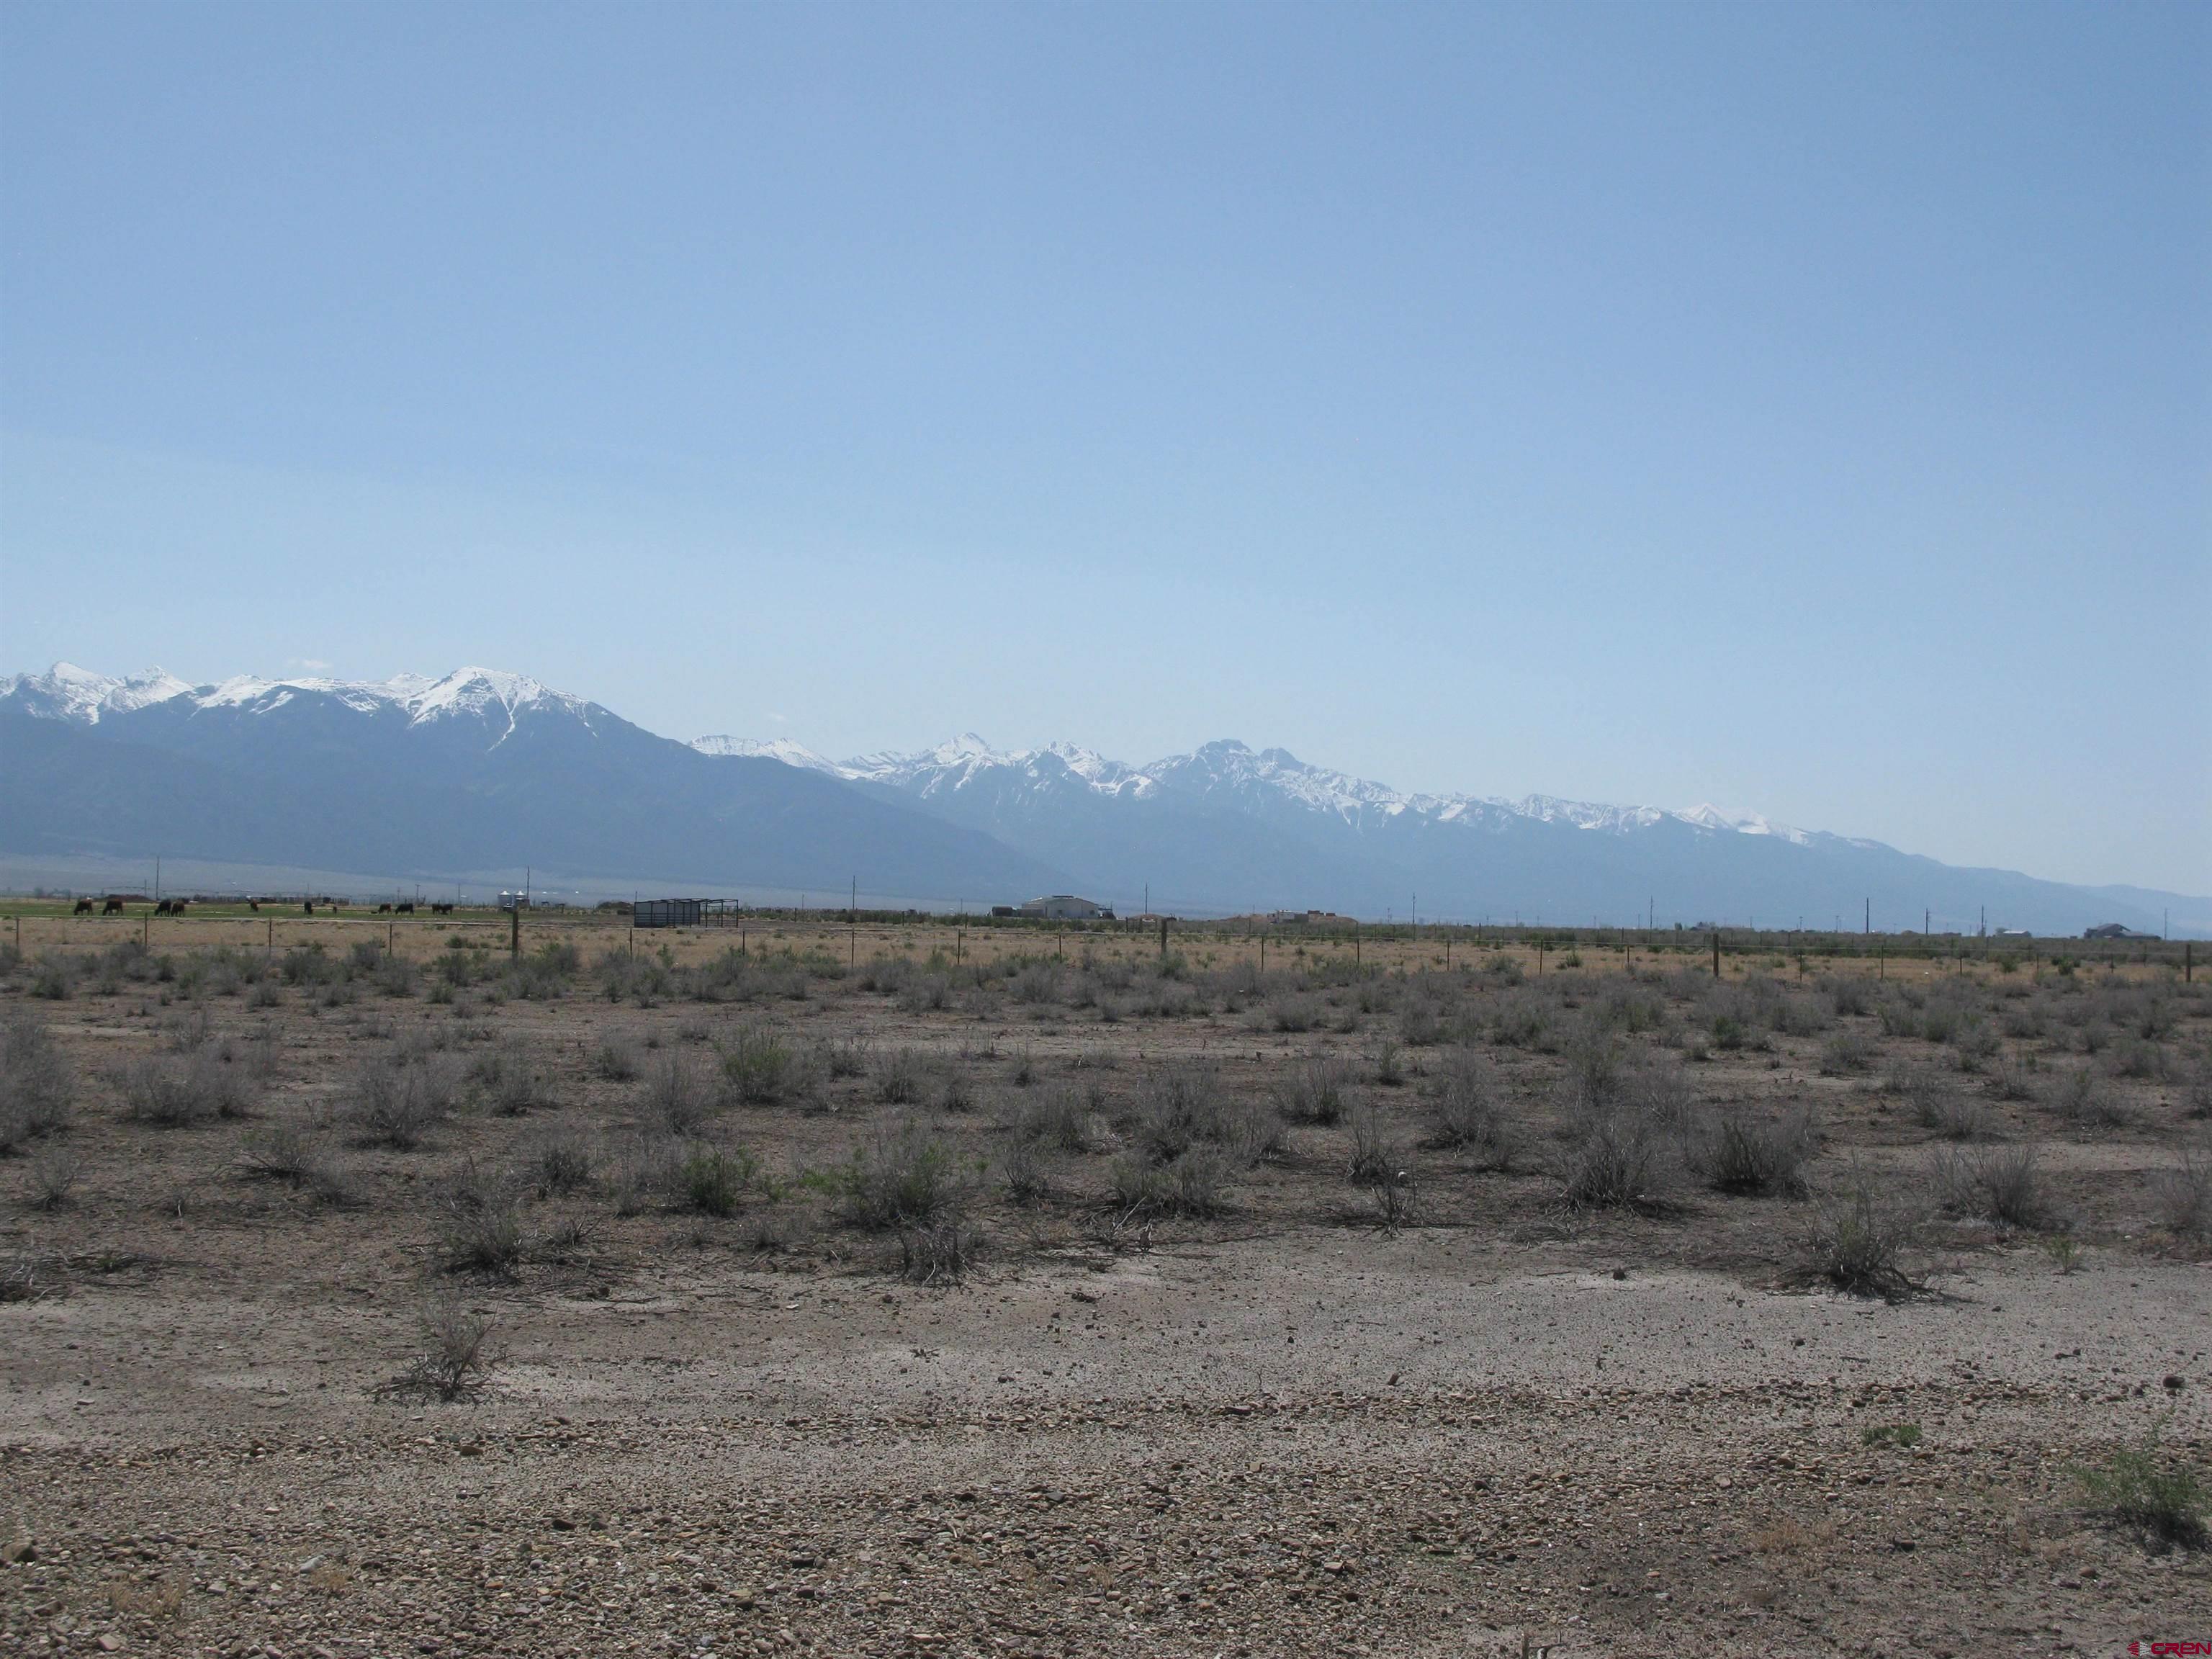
(2114, 930)
(1065, 906)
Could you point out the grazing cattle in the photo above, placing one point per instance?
(307, 906)
(83, 907)
(441, 909)
(406, 910)
(254, 905)
(112, 908)
(384, 909)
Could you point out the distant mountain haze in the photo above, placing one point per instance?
(483, 769)
(478, 770)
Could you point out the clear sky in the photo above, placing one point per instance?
(1806, 409)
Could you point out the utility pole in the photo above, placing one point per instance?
(1869, 918)
(853, 917)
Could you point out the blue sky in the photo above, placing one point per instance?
(1807, 409)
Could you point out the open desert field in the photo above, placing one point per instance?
(916, 1290)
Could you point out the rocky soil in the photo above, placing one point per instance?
(1513, 1425)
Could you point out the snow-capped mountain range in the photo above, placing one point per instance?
(966, 760)
(482, 769)
(68, 692)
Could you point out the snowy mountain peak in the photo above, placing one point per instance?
(68, 692)
(493, 692)
(1230, 769)
(1707, 816)
(776, 749)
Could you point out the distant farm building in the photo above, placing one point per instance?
(667, 913)
(2114, 930)
(1065, 906)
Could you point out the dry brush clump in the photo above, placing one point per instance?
(644, 1171)
(479, 1224)
(1062, 1115)
(617, 1058)
(460, 1356)
(2183, 1193)
(1936, 1103)
(510, 1081)
(1316, 1089)
(938, 1253)
(54, 1173)
(559, 1162)
(1470, 1113)
(188, 1090)
(903, 1178)
(901, 1077)
(760, 1067)
(395, 1099)
(300, 1158)
(37, 1085)
(1615, 1148)
(1999, 1183)
(2086, 1101)
(909, 1182)
(1858, 1240)
(1375, 1152)
(1022, 1170)
(1193, 1181)
(1613, 1159)
(677, 1096)
(1744, 1151)
(1180, 1106)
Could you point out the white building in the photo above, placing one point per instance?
(1065, 906)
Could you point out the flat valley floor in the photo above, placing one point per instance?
(1090, 1304)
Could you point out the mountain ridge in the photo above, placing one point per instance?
(475, 770)
(483, 766)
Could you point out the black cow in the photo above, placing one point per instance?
(307, 906)
(441, 909)
(83, 907)
(404, 910)
(384, 909)
(112, 908)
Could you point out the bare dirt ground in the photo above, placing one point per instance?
(1085, 1303)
